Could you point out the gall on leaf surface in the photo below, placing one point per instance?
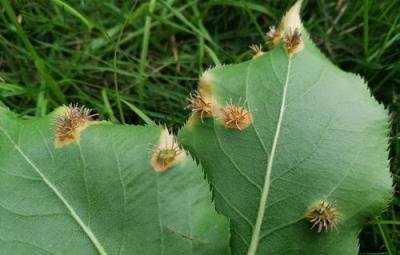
(101, 195)
(316, 135)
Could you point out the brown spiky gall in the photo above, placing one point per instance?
(237, 117)
(199, 105)
(167, 153)
(70, 122)
(257, 50)
(323, 215)
(274, 36)
(293, 41)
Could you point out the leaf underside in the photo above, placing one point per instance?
(331, 145)
(101, 196)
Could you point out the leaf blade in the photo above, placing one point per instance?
(332, 147)
(110, 185)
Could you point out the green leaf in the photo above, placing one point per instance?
(316, 134)
(101, 196)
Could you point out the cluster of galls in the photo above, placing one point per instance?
(73, 119)
(231, 116)
(291, 38)
(288, 32)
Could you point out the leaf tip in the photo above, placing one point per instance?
(289, 31)
(167, 152)
(292, 19)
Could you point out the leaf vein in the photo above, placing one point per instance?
(235, 165)
(124, 197)
(72, 211)
(247, 220)
(263, 199)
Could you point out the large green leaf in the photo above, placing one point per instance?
(101, 196)
(317, 134)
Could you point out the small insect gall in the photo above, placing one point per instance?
(274, 36)
(70, 122)
(199, 105)
(293, 41)
(323, 215)
(257, 50)
(236, 117)
(167, 153)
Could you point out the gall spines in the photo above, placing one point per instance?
(70, 122)
(199, 105)
(273, 36)
(235, 116)
(323, 215)
(167, 153)
(203, 103)
(293, 41)
(257, 50)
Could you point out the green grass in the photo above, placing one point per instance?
(130, 62)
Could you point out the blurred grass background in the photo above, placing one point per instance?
(126, 58)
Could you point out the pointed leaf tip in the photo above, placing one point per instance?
(167, 153)
(292, 20)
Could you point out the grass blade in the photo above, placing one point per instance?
(139, 112)
(75, 13)
(386, 239)
(39, 63)
(145, 48)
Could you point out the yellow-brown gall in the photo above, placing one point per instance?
(236, 117)
(70, 122)
(293, 41)
(323, 215)
(274, 36)
(257, 50)
(199, 105)
(167, 153)
(203, 103)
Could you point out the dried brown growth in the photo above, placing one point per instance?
(70, 122)
(257, 50)
(273, 36)
(237, 117)
(203, 103)
(324, 215)
(199, 105)
(293, 41)
(167, 153)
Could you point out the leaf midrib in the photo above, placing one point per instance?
(73, 213)
(267, 180)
